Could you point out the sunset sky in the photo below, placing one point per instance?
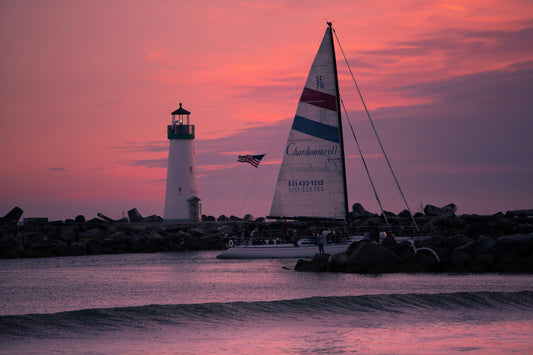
(87, 88)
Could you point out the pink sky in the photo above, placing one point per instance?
(87, 88)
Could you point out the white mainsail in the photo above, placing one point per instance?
(311, 178)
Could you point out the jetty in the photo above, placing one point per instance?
(466, 243)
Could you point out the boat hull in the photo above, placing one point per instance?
(279, 251)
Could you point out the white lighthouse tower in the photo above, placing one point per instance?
(181, 201)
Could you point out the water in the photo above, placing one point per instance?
(193, 303)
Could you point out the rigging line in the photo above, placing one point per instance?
(260, 167)
(280, 124)
(376, 134)
(250, 189)
(366, 168)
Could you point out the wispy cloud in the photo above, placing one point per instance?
(214, 167)
(503, 84)
(151, 146)
(442, 55)
(149, 163)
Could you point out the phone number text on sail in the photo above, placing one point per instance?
(306, 185)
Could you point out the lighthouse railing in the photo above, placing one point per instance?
(180, 130)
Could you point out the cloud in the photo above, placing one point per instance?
(214, 167)
(151, 146)
(58, 169)
(477, 128)
(280, 84)
(513, 83)
(475, 42)
(441, 55)
(154, 52)
(150, 163)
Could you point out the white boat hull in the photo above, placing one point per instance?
(279, 251)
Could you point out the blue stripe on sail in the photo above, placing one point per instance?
(316, 129)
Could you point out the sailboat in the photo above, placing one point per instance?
(312, 177)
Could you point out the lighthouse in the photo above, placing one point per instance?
(181, 200)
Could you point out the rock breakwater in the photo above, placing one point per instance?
(456, 254)
(95, 237)
(502, 242)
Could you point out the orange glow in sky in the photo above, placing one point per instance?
(87, 88)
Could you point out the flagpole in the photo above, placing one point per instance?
(247, 159)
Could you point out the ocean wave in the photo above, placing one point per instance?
(367, 306)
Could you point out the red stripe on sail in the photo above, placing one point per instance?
(320, 99)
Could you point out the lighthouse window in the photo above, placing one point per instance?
(179, 191)
(190, 169)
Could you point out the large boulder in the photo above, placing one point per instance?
(339, 262)
(10, 246)
(12, 217)
(78, 248)
(360, 212)
(446, 211)
(520, 243)
(390, 243)
(318, 264)
(91, 233)
(67, 235)
(460, 259)
(404, 214)
(135, 216)
(373, 258)
(456, 241)
(148, 243)
(510, 262)
(484, 262)
(59, 248)
(196, 232)
(116, 243)
(529, 263)
(189, 241)
(214, 241)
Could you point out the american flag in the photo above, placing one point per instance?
(251, 159)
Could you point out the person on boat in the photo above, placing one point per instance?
(374, 235)
(320, 241)
(285, 231)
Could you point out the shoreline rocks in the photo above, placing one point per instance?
(463, 243)
(457, 254)
(99, 238)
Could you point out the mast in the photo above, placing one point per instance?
(339, 114)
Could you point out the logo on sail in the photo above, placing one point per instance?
(292, 150)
